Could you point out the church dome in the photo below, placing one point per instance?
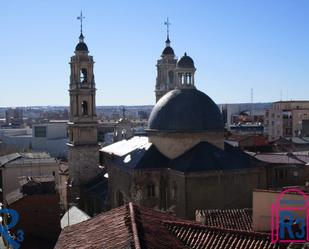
(185, 110)
(82, 47)
(168, 51)
(185, 62)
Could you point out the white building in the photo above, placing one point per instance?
(15, 167)
(50, 137)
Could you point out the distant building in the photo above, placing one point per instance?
(123, 130)
(233, 112)
(14, 117)
(247, 129)
(50, 137)
(21, 138)
(284, 119)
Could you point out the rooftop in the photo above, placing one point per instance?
(18, 159)
(239, 219)
(138, 153)
(132, 226)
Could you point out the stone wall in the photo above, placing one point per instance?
(83, 163)
(175, 144)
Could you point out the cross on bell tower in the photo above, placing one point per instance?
(82, 126)
(167, 23)
(81, 17)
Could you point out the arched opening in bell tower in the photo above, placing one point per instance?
(171, 77)
(83, 75)
(84, 108)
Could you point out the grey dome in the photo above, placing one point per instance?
(168, 51)
(82, 47)
(185, 110)
(185, 62)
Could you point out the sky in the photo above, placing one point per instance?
(236, 45)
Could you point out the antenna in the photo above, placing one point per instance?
(251, 102)
(251, 95)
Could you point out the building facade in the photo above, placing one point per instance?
(285, 119)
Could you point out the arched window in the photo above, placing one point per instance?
(171, 77)
(84, 108)
(83, 75)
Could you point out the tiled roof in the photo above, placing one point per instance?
(132, 226)
(19, 159)
(128, 226)
(206, 157)
(280, 158)
(239, 219)
(199, 237)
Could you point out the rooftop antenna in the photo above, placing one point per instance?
(251, 101)
(123, 112)
(280, 95)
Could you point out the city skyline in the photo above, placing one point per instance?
(236, 46)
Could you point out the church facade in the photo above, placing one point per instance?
(183, 164)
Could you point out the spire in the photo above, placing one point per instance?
(123, 112)
(81, 17)
(167, 23)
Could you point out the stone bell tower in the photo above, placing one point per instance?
(166, 79)
(82, 127)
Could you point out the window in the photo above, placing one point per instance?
(171, 77)
(84, 108)
(151, 190)
(40, 131)
(83, 75)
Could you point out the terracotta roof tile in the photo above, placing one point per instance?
(128, 226)
(197, 236)
(239, 219)
(132, 226)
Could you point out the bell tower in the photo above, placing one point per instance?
(82, 127)
(166, 79)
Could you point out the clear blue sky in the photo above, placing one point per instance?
(236, 45)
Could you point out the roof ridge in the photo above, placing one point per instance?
(192, 224)
(137, 244)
